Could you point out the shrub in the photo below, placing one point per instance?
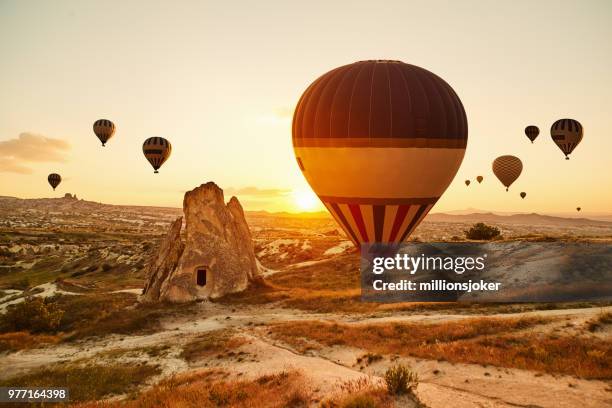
(400, 380)
(20, 284)
(34, 314)
(481, 231)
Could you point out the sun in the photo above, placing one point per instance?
(305, 200)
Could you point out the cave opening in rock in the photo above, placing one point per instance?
(201, 276)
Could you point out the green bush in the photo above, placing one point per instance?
(482, 231)
(34, 314)
(400, 380)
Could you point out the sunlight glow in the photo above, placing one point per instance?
(306, 200)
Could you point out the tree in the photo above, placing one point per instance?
(481, 232)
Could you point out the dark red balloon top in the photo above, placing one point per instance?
(381, 99)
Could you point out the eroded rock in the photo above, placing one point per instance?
(215, 257)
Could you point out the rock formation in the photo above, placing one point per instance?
(69, 196)
(215, 257)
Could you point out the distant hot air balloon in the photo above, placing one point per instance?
(54, 179)
(532, 132)
(523, 194)
(104, 129)
(156, 150)
(467, 182)
(566, 133)
(507, 169)
(479, 179)
(578, 208)
(379, 142)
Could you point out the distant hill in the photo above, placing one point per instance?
(70, 205)
(523, 219)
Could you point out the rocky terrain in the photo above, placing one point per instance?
(305, 325)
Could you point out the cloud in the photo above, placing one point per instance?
(257, 192)
(284, 112)
(30, 147)
(10, 165)
(278, 116)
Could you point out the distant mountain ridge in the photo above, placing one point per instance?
(468, 216)
(526, 219)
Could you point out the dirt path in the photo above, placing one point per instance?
(441, 384)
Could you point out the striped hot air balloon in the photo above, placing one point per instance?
(532, 132)
(566, 133)
(479, 179)
(104, 129)
(507, 169)
(379, 142)
(54, 179)
(156, 150)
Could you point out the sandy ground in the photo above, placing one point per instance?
(441, 384)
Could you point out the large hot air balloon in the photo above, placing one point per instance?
(479, 179)
(566, 133)
(156, 150)
(523, 194)
(379, 142)
(507, 169)
(54, 179)
(104, 129)
(467, 182)
(532, 132)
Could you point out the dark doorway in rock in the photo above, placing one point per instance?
(201, 276)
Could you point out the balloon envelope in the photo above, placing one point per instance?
(104, 130)
(156, 150)
(523, 194)
(467, 182)
(379, 142)
(567, 134)
(479, 179)
(578, 208)
(507, 169)
(54, 179)
(532, 132)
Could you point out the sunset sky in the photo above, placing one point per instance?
(220, 80)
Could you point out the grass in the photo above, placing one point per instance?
(333, 287)
(213, 388)
(87, 381)
(14, 341)
(98, 315)
(494, 341)
(598, 323)
(211, 343)
(150, 351)
(363, 392)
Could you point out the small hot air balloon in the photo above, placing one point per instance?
(379, 142)
(566, 133)
(507, 169)
(104, 129)
(578, 208)
(54, 179)
(523, 194)
(479, 179)
(532, 132)
(467, 182)
(156, 150)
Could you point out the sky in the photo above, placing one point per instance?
(220, 80)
